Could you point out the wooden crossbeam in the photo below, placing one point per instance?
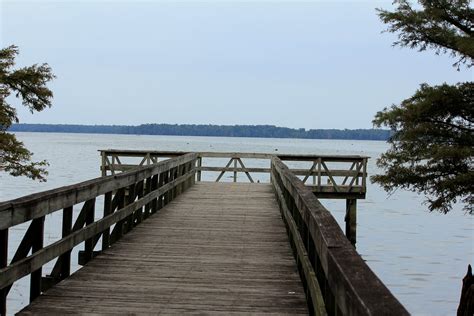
(355, 177)
(246, 172)
(330, 176)
(310, 171)
(350, 169)
(226, 166)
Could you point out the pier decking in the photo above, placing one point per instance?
(217, 248)
(158, 240)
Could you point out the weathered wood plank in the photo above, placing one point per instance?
(314, 288)
(217, 248)
(25, 266)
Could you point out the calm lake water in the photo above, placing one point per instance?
(420, 256)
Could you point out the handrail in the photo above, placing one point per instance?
(129, 198)
(165, 153)
(327, 181)
(330, 268)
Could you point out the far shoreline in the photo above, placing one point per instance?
(235, 131)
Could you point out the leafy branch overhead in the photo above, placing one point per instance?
(28, 84)
(446, 26)
(432, 145)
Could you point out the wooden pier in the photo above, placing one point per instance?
(162, 241)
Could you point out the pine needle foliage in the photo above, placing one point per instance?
(29, 85)
(432, 145)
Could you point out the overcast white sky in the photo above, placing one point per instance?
(313, 64)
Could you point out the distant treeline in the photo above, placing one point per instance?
(265, 131)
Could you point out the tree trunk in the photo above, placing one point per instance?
(466, 304)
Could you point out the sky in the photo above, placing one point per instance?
(311, 64)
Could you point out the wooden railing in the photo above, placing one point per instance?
(336, 279)
(328, 176)
(128, 199)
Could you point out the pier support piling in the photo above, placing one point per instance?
(351, 220)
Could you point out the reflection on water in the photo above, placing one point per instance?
(420, 256)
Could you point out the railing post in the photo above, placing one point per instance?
(319, 174)
(154, 186)
(104, 162)
(132, 193)
(37, 245)
(172, 191)
(3, 264)
(199, 165)
(192, 168)
(161, 198)
(166, 180)
(179, 171)
(235, 169)
(118, 229)
(351, 220)
(147, 191)
(89, 243)
(107, 211)
(141, 189)
(364, 173)
(66, 230)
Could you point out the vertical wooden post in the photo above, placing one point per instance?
(192, 168)
(147, 191)
(118, 229)
(173, 189)
(235, 171)
(179, 170)
(140, 187)
(166, 196)
(89, 243)
(154, 186)
(184, 171)
(175, 176)
(351, 220)
(185, 184)
(104, 162)
(3, 264)
(319, 174)
(199, 165)
(107, 211)
(66, 230)
(112, 165)
(315, 163)
(37, 245)
(131, 198)
(161, 198)
(176, 187)
(271, 172)
(364, 173)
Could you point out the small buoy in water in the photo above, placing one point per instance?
(276, 149)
